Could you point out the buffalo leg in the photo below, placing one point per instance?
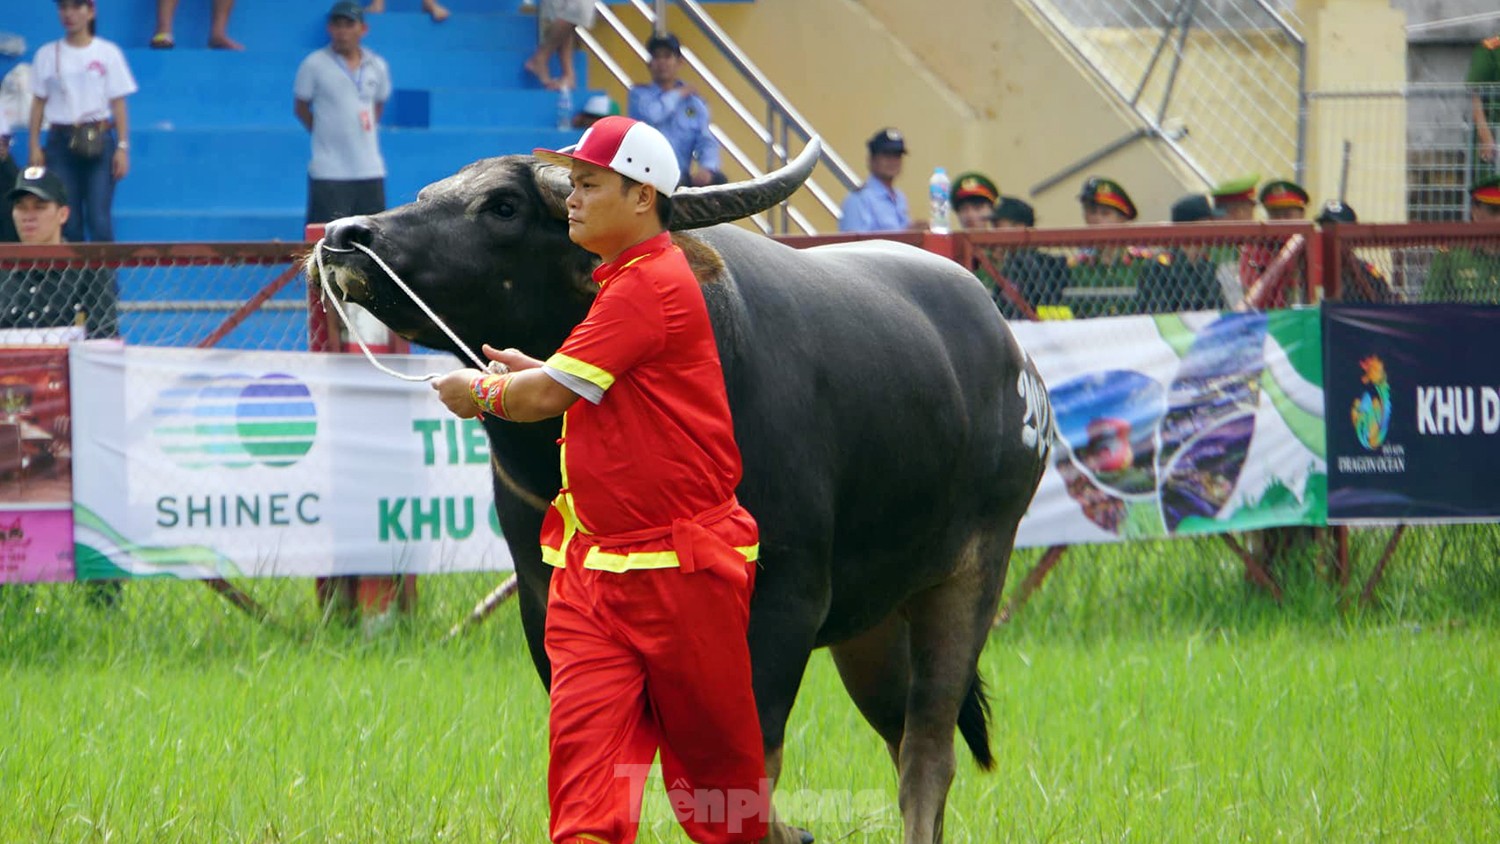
(875, 668)
(949, 625)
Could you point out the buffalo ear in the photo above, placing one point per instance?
(553, 184)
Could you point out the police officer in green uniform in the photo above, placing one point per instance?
(1470, 274)
(1037, 276)
(1236, 198)
(1483, 80)
(973, 199)
(1103, 280)
(1284, 199)
(1183, 278)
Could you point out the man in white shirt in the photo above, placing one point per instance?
(79, 86)
(340, 92)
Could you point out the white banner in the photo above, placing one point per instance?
(202, 463)
(1179, 424)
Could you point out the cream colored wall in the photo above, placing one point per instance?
(1007, 103)
(1004, 98)
(1357, 45)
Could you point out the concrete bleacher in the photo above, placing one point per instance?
(216, 152)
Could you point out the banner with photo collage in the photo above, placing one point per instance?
(36, 490)
(1179, 424)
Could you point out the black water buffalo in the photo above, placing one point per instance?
(892, 431)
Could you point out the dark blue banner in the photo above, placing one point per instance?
(1413, 410)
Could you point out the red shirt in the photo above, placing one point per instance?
(659, 447)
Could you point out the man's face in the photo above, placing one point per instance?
(1008, 224)
(1241, 212)
(37, 220)
(1286, 213)
(1483, 212)
(602, 212)
(1095, 214)
(885, 166)
(664, 66)
(974, 214)
(345, 34)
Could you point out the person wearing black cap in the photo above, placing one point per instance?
(877, 206)
(1359, 280)
(47, 297)
(79, 85)
(1183, 278)
(1035, 276)
(675, 109)
(340, 93)
(1470, 273)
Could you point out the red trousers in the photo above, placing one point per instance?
(646, 660)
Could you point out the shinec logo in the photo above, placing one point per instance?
(235, 421)
(1371, 413)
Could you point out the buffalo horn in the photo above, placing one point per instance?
(696, 208)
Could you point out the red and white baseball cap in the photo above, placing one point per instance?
(628, 147)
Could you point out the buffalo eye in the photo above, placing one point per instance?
(502, 208)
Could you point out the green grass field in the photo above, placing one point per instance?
(1145, 694)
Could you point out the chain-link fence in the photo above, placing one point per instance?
(1436, 157)
(1220, 79)
(253, 297)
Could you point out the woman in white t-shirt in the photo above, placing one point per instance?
(80, 84)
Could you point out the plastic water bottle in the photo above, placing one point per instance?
(937, 193)
(564, 109)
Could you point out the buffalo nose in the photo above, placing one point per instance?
(344, 233)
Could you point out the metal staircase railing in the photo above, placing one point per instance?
(1230, 98)
(782, 120)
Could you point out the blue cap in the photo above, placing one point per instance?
(347, 9)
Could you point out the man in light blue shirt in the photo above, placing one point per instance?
(877, 206)
(674, 108)
(340, 93)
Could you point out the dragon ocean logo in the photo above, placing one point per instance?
(1371, 412)
(235, 421)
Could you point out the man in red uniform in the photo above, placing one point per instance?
(650, 601)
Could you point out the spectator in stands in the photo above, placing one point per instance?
(1470, 274)
(674, 108)
(1102, 280)
(47, 295)
(79, 86)
(558, 20)
(1484, 93)
(1284, 200)
(1359, 280)
(1236, 198)
(596, 108)
(1183, 277)
(877, 206)
(437, 11)
(9, 170)
(973, 198)
(218, 28)
(1036, 276)
(340, 92)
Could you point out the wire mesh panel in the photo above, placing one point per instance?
(1223, 79)
(1446, 262)
(1434, 156)
(1081, 273)
(236, 296)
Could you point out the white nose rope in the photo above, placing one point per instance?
(493, 366)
